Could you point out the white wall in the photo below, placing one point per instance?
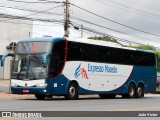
(12, 31)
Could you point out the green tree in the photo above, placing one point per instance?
(109, 39)
(158, 61)
(146, 47)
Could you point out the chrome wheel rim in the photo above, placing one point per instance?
(131, 91)
(139, 91)
(72, 91)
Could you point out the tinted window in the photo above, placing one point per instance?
(74, 52)
(102, 54)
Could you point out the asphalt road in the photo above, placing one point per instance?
(148, 103)
(151, 102)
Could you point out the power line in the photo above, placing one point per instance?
(108, 28)
(114, 21)
(35, 2)
(29, 10)
(55, 23)
(81, 19)
(32, 14)
(131, 9)
(116, 38)
(98, 25)
(33, 19)
(144, 5)
(107, 35)
(150, 4)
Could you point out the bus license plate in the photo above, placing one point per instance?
(26, 91)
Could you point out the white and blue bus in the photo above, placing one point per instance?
(72, 67)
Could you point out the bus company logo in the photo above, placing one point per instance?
(80, 71)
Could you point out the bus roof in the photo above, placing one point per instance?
(100, 42)
(82, 40)
(104, 43)
(41, 39)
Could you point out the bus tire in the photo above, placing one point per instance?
(140, 91)
(40, 97)
(72, 92)
(107, 96)
(131, 92)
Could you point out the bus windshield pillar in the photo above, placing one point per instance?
(44, 62)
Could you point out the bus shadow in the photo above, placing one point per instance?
(55, 98)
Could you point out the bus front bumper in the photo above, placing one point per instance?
(29, 90)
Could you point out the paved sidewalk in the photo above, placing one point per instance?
(6, 96)
(4, 86)
(5, 92)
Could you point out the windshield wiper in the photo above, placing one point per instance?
(23, 65)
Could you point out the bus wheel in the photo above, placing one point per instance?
(40, 97)
(140, 91)
(72, 92)
(131, 92)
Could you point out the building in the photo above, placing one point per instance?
(12, 29)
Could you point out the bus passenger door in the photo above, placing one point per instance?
(57, 58)
(54, 68)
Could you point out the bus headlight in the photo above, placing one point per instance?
(42, 85)
(13, 85)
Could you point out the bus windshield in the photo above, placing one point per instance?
(27, 63)
(28, 67)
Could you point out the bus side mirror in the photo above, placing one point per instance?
(44, 61)
(4, 57)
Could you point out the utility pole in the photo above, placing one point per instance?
(81, 31)
(66, 24)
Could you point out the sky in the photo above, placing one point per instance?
(128, 20)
